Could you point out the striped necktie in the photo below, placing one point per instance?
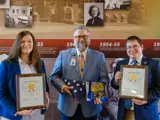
(81, 64)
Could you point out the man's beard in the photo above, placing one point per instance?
(82, 47)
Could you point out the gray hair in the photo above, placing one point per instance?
(81, 27)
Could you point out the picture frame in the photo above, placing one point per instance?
(94, 14)
(5, 4)
(30, 91)
(134, 83)
(19, 17)
(117, 4)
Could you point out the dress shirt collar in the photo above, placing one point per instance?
(138, 60)
(84, 53)
(25, 68)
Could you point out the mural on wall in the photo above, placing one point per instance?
(57, 17)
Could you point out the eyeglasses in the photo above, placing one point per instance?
(134, 47)
(84, 37)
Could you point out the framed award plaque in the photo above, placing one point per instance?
(134, 83)
(30, 91)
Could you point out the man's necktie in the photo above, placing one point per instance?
(81, 64)
(128, 102)
(134, 62)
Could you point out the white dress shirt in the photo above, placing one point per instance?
(25, 68)
(138, 60)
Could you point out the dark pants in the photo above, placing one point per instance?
(78, 115)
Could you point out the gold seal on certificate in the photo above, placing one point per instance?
(30, 91)
(134, 83)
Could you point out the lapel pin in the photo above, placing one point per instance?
(73, 54)
(145, 62)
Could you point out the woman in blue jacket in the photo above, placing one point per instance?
(23, 58)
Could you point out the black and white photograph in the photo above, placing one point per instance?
(93, 14)
(117, 4)
(4, 4)
(18, 17)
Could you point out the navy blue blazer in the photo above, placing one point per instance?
(148, 111)
(9, 70)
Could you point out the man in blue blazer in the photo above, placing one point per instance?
(67, 67)
(143, 110)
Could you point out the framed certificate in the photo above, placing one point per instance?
(134, 83)
(30, 91)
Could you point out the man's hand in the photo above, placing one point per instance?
(118, 77)
(67, 89)
(26, 112)
(139, 102)
(97, 101)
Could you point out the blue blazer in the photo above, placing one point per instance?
(9, 70)
(148, 111)
(94, 70)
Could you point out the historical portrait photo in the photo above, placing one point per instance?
(93, 14)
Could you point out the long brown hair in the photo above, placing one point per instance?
(16, 50)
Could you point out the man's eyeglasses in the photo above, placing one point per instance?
(134, 47)
(84, 37)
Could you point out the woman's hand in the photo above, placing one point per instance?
(26, 112)
(47, 100)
